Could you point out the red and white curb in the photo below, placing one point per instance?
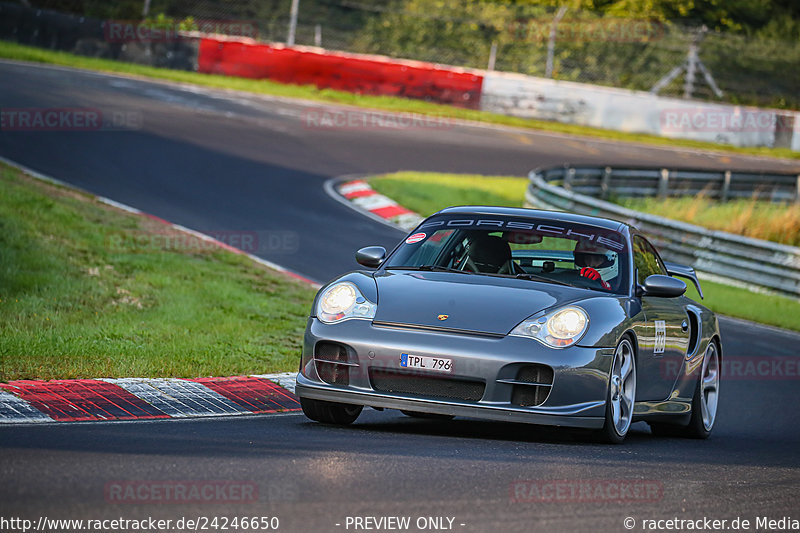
(72, 400)
(358, 194)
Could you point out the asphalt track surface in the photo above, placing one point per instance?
(218, 161)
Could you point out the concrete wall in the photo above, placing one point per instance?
(638, 111)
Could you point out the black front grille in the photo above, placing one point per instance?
(326, 356)
(532, 395)
(436, 387)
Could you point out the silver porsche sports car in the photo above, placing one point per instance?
(520, 315)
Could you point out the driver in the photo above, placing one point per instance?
(592, 258)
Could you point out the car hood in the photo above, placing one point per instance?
(476, 303)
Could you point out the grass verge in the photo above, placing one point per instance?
(426, 193)
(19, 52)
(87, 290)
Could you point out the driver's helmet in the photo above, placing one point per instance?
(589, 254)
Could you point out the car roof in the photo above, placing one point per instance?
(523, 212)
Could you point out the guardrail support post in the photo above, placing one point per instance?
(569, 178)
(663, 183)
(797, 190)
(726, 186)
(605, 181)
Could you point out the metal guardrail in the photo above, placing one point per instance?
(744, 260)
(605, 182)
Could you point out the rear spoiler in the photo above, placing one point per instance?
(683, 271)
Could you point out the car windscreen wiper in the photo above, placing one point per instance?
(431, 268)
(534, 277)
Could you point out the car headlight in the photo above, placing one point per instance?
(558, 329)
(341, 301)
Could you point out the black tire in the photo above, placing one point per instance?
(696, 428)
(428, 416)
(610, 434)
(340, 414)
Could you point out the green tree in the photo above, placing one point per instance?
(447, 31)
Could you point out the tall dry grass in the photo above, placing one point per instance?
(751, 218)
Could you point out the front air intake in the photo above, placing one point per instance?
(532, 385)
(332, 363)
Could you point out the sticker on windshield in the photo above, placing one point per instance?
(416, 238)
(661, 336)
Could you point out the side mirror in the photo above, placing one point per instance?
(663, 286)
(371, 256)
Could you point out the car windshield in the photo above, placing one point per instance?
(550, 251)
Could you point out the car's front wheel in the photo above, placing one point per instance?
(340, 414)
(621, 394)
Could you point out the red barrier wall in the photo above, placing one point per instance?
(336, 70)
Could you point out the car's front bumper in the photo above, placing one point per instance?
(577, 397)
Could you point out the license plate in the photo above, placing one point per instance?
(437, 364)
